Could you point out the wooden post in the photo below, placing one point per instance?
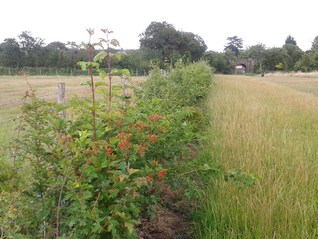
(61, 98)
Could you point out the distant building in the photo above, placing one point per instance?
(244, 65)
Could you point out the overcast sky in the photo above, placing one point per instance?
(255, 21)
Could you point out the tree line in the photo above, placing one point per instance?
(289, 57)
(162, 45)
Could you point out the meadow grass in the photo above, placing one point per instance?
(268, 129)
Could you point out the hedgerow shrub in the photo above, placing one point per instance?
(187, 85)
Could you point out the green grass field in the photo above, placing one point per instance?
(266, 127)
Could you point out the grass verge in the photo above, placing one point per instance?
(269, 131)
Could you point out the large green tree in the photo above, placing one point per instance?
(167, 43)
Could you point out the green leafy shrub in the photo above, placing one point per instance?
(187, 85)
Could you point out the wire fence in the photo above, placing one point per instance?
(10, 115)
(48, 96)
(53, 71)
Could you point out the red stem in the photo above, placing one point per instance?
(90, 58)
(110, 80)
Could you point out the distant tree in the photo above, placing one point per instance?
(72, 45)
(218, 62)
(290, 40)
(314, 46)
(256, 53)
(235, 44)
(56, 45)
(31, 48)
(166, 43)
(137, 60)
(10, 53)
(294, 55)
(275, 59)
(307, 63)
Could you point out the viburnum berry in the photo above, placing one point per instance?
(154, 117)
(162, 174)
(153, 138)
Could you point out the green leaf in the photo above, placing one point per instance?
(129, 226)
(100, 56)
(100, 83)
(114, 141)
(83, 65)
(89, 83)
(60, 107)
(76, 184)
(124, 72)
(118, 56)
(132, 171)
(121, 214)
(102, 74)
(87, 195)
(114, 72)
(122, 166)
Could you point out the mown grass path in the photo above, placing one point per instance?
(268, 128)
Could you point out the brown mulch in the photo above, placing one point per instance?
(166, 225)
(170, 220)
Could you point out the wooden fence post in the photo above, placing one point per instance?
(61, 98)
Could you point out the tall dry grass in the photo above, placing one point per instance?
(269, 131)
